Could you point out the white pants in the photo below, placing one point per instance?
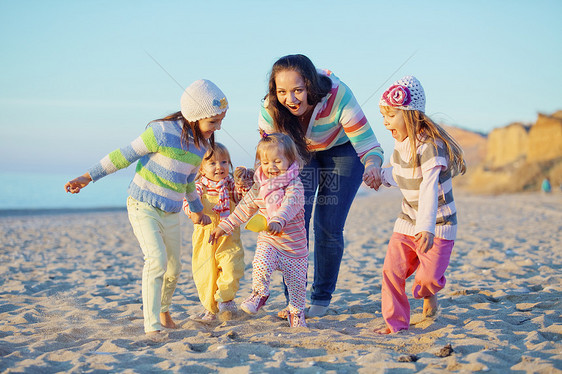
(158, 233)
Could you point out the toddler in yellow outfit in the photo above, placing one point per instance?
(218, 267)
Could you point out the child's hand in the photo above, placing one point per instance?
(425, 240)
(215, 235)
(200, 218)
(75, 185)
(372, 176)
(243, 178)
(274, 228)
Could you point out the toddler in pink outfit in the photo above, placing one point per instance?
(278, 195)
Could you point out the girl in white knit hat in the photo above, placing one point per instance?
(169, 152)
(424, 161)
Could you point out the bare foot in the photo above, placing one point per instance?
(157, 336)
(383, 331)
(430, 306)
(166, 321)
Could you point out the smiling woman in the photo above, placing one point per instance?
(333, 136)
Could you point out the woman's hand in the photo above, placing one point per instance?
(425, 240)
(372, 175)
(200, 218)
(75, 185)
(215, 235)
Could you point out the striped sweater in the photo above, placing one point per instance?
(336, 119)
(165, 172)
(428, 203)
(292, 241)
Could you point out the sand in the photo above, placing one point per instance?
(70, 300)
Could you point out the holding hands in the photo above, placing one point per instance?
(274, 228)
(372, 175)
(243, 179)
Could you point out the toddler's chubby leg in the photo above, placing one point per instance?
(430, 306)
(166, 321)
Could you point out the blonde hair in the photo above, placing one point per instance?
(280, 141)
(422, 128)
(219, 150)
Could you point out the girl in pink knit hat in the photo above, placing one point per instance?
(424, 161)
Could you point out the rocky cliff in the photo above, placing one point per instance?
(518, 157)
(545, 138)
(507, 145)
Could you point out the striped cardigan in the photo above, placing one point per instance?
(428, 203)
(336, 119)
(292, 241)
(165, 172)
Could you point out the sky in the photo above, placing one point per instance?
(82, 78)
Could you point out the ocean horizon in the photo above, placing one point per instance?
(20, 191)
(23, 193)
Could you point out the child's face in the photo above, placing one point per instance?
(273, 162)
(211, 124)
(216, 168)
(394, 122)
(291, 92)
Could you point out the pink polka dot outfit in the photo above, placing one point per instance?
(286, 251)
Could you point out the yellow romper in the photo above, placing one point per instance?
(217, 268)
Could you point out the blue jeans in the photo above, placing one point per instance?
(334, 176)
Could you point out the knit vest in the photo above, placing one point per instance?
(409, 181)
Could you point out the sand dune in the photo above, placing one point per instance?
(70, 300)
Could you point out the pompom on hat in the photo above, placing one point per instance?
(406, 93)
(202, 99)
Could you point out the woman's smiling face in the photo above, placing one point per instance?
(291, 92)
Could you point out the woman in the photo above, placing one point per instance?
(339, 147)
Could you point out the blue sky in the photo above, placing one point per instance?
(80, 79)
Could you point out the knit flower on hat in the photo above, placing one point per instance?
(397, 95)
(221, 104)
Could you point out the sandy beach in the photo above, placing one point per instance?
(70, 299)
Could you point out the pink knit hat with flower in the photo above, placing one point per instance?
(406, 94)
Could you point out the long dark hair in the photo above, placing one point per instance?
(187, 128)
(317, 86)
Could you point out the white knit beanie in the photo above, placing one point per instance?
(406, 93)
(202, 99)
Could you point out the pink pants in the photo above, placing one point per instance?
(402, 260)
(268, 259)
